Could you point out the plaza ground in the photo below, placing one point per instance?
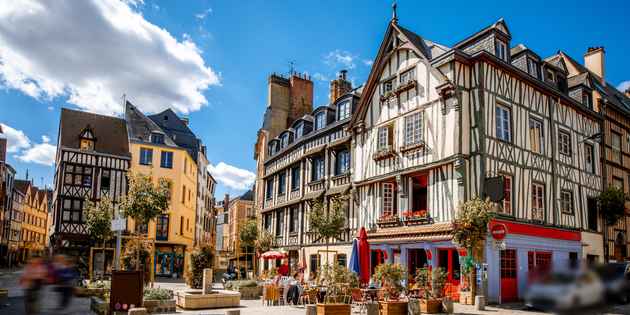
(14, 305)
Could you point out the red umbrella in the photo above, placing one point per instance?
(273, 255)
(364, 257)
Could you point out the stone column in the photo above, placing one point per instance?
(206, 286)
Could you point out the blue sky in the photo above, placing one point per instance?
(210, 59)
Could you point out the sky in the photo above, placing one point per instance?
(210, 60)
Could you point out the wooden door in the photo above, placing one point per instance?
(448, 258)
(509, 281)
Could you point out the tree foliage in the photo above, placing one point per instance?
(144, 200)
(265, 241)
(248, 233)
(98, 219)
(470, 226)
(200, 259)
(337, 279)
(391, 276)
(612, 204)
(328, 224)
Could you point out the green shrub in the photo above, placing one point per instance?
(157, 294)
(200, 259)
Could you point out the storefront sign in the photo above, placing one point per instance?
(498, 231)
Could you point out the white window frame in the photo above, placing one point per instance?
(566, 201)
(538, 198)
(343, 110)
(383, 138)
(388, 199)
(414, 125)
(506, 207)
(535, 123)
(564, 148)
(407, 76)
(501, 50)
(388, 86)
(503, 124)
(320, 120)
(589, 157)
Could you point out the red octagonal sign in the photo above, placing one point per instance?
(498, 231)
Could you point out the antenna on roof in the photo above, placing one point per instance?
(394, 14)
(291, 67)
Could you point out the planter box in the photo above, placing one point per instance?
(99, 306)
(160, 306)
(333, 309)
(430, 306)
(466, 298)
(393, 307)
(194, 299)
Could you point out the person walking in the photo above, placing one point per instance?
(32, 280)
(65, 276)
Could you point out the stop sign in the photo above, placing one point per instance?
(498, 231)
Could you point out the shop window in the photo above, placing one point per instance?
(538, 263)
(142, 228)
(416, 258)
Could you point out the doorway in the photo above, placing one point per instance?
(448, 259)
(509, 281)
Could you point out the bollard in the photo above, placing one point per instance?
(206, 281)
(480, 302)
(311, 309)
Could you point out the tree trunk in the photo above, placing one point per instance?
(104, 261)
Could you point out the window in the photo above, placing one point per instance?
(413, 129)
(105, 179)
(591, 206)
(343, 110)
(536, 135)
(507, 195)
(87, 144)
(389, 199)
(615, 143)
(293, 219)
(320, 120)
(342, 163)
(501, 49)
(314, 266)
(617, 182)
(386, 138)
(503, 122)
(157, 138)
(272, 148)
(295, 178)
(161, 228)
(564, 142)
(589, 156)
(388, 87)
(78, 175)
(341, 259)
(72, 211)
(318, 168)
(267, 221)
(284, 140)
(532, 68)
(183, 193)
(269, 191)
(407, 76)
(538, 197)
(279, 223)
(562, 83)
(282, 183)
(299, 130)
(566, 201)
(166, 159)
(549, 77)
(146, 156)
(586, 100)
(181, 225)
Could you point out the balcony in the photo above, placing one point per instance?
(384, 153)
(342, 179)
(294, 194)
(316, 185)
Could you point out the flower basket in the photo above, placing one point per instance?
(384, 153)
(393, 307)
(388, 221)
(333, 309)
(430, 306)
(416, 217)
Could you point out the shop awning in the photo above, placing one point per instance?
(406, 234)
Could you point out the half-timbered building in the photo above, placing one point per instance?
(311, 160)
(92, 160)
(438, 125)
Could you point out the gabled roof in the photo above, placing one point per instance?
(22, 185)
(579, 79)
(110, 132)
(520, 48)
(140, 126)
(178, 131)
(499, 26)
(557, 62)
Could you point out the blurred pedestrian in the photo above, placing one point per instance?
(65, 276)
(32, 279)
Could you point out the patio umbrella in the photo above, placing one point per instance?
(273, 255)
(364, 257)
(354, 257)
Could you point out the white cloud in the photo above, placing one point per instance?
(320, 77)
(338, 57)
(232, 176)
(623, 86)
(93, 52)
(50, 108)
(368, 62)
(204, 14)
(16, 139)
(40, 153)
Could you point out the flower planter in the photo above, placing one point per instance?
(393, 307)
(433, 306)
(413, 306)
(333, 309)
(160, 306)
(388, 222)
(466, 298)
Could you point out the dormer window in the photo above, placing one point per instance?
(284, 140)
(87, 140)
(586, 100)
(501, 50)
(320, 120)
(562, 83)
(532, 67)
(299, 130)
(157, 138)
(549, 77)
(343, 110)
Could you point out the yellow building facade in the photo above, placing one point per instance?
(35, 217)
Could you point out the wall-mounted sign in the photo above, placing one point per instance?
(498, 231)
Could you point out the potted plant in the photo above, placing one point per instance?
(391, 276)
(158, 300)
(339, 282)
(430, 284)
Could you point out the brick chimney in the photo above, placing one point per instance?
(339, 86)
(226, 202)
(3, 146)
(594, 61)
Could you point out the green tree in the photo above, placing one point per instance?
(612, 204)
(144, 200)
(98, 220)
(265, 241)
(247, 234)
(328, 224)
(200, 259)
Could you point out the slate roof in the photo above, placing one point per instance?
(578, 79)
(140, 126)
(21, 185)
(178, 131)
(110, 132)
(430, 49)
(474, 36)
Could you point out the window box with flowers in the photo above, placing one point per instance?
(384, 153)
(388, 220)
(417, 217)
